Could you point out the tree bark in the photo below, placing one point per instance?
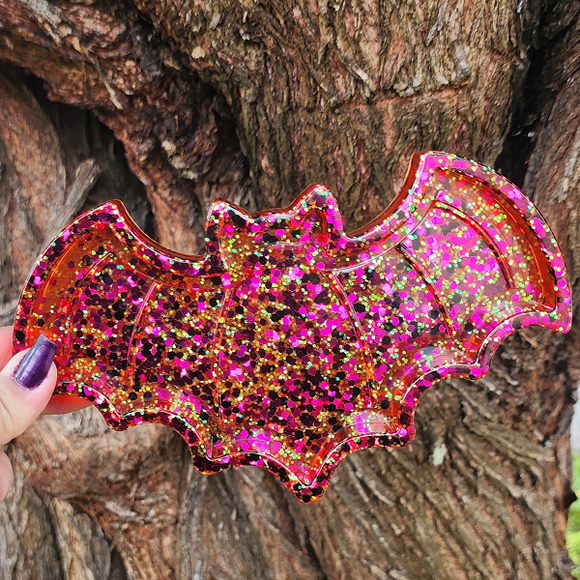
(169, 105)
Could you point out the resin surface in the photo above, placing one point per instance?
(290, 344)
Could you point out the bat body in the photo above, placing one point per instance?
(290, 344)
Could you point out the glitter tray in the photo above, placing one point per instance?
(290, 344)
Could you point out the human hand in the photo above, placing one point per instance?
(27, 381)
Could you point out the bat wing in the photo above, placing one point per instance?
(459, 260)
(291, 344)
(134, 325)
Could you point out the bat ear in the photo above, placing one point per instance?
(221, 211)
(223, 217)
(314, 212)
(316, 207)
(319, 199)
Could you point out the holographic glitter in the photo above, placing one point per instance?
(290, 344)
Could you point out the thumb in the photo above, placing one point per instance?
(26, 384)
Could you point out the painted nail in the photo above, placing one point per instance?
(34, 367)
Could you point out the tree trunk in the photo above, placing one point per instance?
(170, 104)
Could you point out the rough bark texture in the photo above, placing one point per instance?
(169, 104)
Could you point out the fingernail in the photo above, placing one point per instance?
(34, 367)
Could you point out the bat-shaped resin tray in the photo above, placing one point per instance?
(290, 344)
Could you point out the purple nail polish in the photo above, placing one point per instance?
(34, 367)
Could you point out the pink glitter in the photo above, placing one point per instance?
(290, 344)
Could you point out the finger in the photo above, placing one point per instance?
(26, 384)
(6, 475)
(60, 404)
(5, 345)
